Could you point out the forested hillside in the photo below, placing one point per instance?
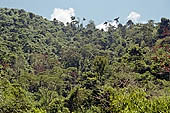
(49, 67)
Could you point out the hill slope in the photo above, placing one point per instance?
(46, 66)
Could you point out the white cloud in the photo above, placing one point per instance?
(134, 16)
(106, 26)
(63, 15)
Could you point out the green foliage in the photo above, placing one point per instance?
(137, 101)
(137, 60)
(100, 65)
(14, 99)
(49, 67)
(37, 110)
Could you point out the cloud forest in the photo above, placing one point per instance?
(47, 66)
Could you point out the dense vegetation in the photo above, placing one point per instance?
(47, 67)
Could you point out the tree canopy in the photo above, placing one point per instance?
(49, 67)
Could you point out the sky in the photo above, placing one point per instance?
(96, 10)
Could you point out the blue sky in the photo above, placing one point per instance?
(97, 10)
